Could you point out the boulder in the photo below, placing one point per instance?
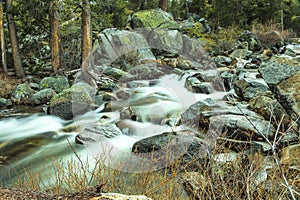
(241, 53)
(22, 94)
(249, 88)
(5, 102)
(121, 49)
(96, 133)
(155, 18)
(222, 61)
(76, 100)
(42, 96)
(163, 41)
(283, 75)
(58, 84)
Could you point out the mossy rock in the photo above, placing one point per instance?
(155, 18)
(22, 94)
(42, 96)
(58, 84)
(73, 101)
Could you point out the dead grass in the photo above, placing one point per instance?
(271, 34)
(7, 85)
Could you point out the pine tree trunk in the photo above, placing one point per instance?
(3, 50)
(14, 41)
(86, 29)
(54, 34)
(162, 4)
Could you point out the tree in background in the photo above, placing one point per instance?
(162, 4)
(13, 39)
(54, 33)
(86, 29)
(2, 39)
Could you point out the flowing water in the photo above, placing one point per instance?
(33, 141)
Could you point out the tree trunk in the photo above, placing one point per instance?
(54, 34)
(162, 4)
(3, 50)
(86, 29)
(14, 41)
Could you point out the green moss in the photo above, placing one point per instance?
(154, 18)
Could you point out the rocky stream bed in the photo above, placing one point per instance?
(248, 97)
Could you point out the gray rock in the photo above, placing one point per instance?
(243, 127)
(5, 102)
(58, 84)
(155, 18)
(42, 96)
(290, 156)
(96, 133)
(283, 75)
(73, 101)
(22, 94)
(222, 61)
(249, 88)
(295, 48)
(241, 53)
(164, 41)
(194, 52)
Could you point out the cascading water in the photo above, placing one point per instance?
(34, 141)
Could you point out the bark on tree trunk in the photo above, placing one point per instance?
(86, 29)
(3, 50)
(14, 41)
(162, 4)
(54, 34)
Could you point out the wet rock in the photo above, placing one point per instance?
(155, 18)
(222, 61)
(195, 85)
(249, 88)
(295, 48)
(115, 73)
(58, 84)
(34, 86)
(5, 102)
(42, 96)
(229, 78)
(96, 133)
(76, 100)
(182, 144)
(22, 94)
(283, 75)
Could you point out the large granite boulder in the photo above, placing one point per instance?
(283, 75)
(73, 101)
(155, 18)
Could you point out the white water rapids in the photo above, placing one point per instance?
(35, 141)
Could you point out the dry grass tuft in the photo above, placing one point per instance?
(7, 85)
